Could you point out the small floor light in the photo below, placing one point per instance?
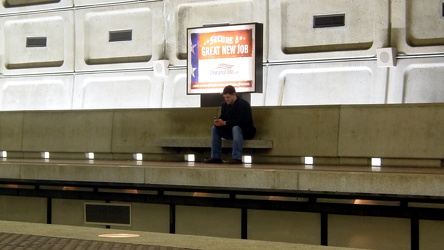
(138, 156)
(4, 154)
(190, 157)
(247, 159)
(376, 162)
(308, 160)
(45, 155)
(90, 156)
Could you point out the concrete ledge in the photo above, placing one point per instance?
(357, 180)
(205, 143)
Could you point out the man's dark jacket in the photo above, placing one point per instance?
(238, 114)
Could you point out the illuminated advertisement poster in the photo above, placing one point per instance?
(221, 56)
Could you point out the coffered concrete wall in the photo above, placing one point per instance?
(80, 69)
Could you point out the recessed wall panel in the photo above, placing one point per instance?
(175, 91)
(70, 212)
(417, 80)
(424, 84)
(25, 209)
(117, 90)
(418, 26)
(425, 23)
(368, 232)
(349, 28)
(430, 236)
(333, 83)
(100, 33)
(36, 93)
(187, 14)
(284, 226)
(8, 6)
(40, 43)
(208, 221)
(149, 217)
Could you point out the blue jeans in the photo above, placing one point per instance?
(235, 134)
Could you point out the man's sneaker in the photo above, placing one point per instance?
(213, 160)
(234, 161)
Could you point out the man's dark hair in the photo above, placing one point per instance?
(229, 90)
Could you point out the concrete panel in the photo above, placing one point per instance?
(134, 131)
(70, 212)
(36, 93)
(175, 91)
(117, 90)
(119, 174)
(67, 132)
(149, 218)
(329, 83)
(14, 6)
(392, 131)
(430, 236)
(309, 131)
(292, 29)
(284, 226)
(53, 53)
(236, 178)
(417, 81)
(417, 27)
(368, 232)
(96, 49)
(25, 209)
(183, 14)
(371, 183)
(208, 221)
(11, 127)
(9, 171)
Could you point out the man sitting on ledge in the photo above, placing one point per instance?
(234, 123)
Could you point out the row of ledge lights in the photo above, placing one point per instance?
(89, 156)
(248, 159)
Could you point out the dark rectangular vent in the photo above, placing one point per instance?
(442, 9)
(108, 214)
(19, 3)
(35, 42)
(120, 35)
(325, 21)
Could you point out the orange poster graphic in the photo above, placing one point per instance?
(225, 44)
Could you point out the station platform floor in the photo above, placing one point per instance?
(30, 236)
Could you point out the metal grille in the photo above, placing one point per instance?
(35, 42)
(120, 35)
(108, 214)
(326, 21)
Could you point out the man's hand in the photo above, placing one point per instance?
(219, 122)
